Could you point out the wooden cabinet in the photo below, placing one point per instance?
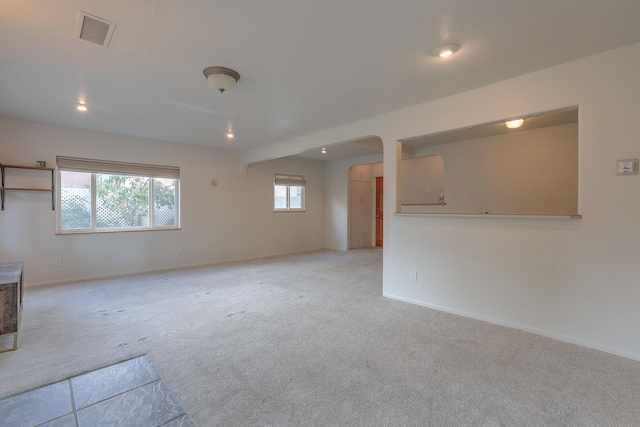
(3, 188)
(11, 292)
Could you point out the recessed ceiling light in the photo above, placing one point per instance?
(230, 135)
(514, 124)
(446, 50)
(81, 107)
(323, 151)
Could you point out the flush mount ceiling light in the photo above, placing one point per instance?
(514, 124)
(446, 50)
(221, 78)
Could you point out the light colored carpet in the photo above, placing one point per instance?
(308, 340)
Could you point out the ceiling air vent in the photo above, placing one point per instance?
(93, 29)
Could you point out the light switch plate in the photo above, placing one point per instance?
(627, 167)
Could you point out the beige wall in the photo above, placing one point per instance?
(337, 227)
(227, 222)
(378, 169)
(422, 180)
(525, 172)
(361, 204)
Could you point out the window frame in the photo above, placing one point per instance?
(288, 181)
(105, 167)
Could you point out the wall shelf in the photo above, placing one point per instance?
(51, 190)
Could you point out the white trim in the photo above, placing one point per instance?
(113, 230)
(512, 325)
(488, 215)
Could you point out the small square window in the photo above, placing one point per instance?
(288, 193)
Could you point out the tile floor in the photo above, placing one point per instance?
(126, 394)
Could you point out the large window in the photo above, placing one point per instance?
(98, 196)
(288, 193)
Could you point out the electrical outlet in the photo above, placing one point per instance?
(57, 261)
(261, 242)
(313, 237)
(414, 276)
(179, 250)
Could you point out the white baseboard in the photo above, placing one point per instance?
(163, 270)
(512, 325)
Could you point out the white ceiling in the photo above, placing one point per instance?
(306, 65)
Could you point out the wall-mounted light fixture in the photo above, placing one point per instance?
(323, 151)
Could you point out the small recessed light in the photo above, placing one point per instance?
(323, 151)
(446, 50)
(81, 107)
(230, 135)
(514, 124)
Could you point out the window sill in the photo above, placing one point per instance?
(288, 210)
(488, 215)
(134, 230)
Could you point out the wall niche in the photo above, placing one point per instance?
(491, 169)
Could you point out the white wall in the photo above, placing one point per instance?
(571, 279)
(576, 280)
(226, 222)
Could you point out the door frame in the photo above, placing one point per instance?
(379, 211)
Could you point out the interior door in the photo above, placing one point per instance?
(379, 210)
